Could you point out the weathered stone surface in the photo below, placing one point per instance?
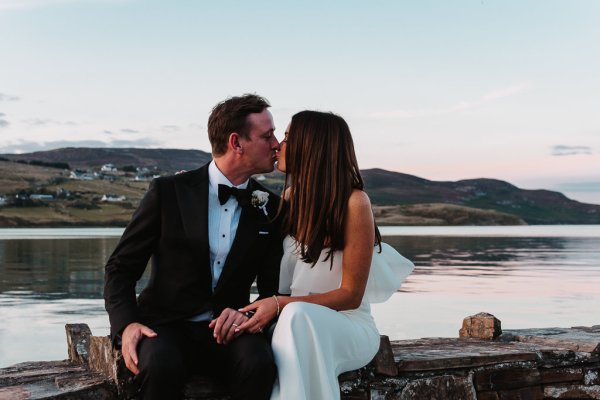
(379, 392)
(488, 396)
(572, 392)
(592, 376)
(384, 359)
(105, 359)
(480, 326)
(434, 368)
(349, 376)
(554, 375)
(439, 388)
(53, 380)
(78, 342)
(505, 379)
(527, 393)
(564, 358)
(579, 339)
(359, 395)
(445, 353)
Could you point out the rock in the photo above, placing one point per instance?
(105, 359)
(553, 363)
(592, 376)
(481, 326)
(384, 359)
(572, 392)
(439, 388)
(555, 375)
(487, 396)
(53, 380)
(506, 379)
(78, 342)
(527, 393)
(579, 339)
(446, 353)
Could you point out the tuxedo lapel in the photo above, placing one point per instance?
(192, 198)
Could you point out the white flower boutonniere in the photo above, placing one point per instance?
(260, 200)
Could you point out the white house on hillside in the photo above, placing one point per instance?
(108, 168)
(82, 176)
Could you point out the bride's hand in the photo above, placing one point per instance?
(265, 311)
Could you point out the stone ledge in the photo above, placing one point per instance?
(53, 380)
(579, 338)
(552, 363)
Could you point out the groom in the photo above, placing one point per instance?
(209, 235)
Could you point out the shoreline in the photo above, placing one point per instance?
(91, 232)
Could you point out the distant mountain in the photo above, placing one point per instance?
(384, 187)
(533, 206)
(89, 157)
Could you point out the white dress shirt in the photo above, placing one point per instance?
(223, 222)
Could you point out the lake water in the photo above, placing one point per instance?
(527, 276)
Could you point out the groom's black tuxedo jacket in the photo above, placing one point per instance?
(171, 226)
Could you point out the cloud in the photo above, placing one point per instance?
(141, 142)
(196, 126)
(170, 128)
(24, 146)
(507, 91)
(3, 122)
(36, 122)
(460, 107)
(127, 130)
(561, 150)
(8, 97)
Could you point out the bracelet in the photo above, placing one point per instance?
(277, 301)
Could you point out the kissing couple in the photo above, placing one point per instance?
(315, 254)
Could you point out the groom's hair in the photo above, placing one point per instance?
(230, 116)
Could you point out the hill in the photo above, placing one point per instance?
(533, 206)
(88, 157)
(398, 198)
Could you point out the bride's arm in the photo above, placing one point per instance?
(359, 234)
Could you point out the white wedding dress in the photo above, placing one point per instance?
(313, 344)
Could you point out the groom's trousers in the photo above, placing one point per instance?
(245, 365)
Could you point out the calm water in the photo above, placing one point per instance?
(531, 276)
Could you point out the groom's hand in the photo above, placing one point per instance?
(225, 325)
(130, 338)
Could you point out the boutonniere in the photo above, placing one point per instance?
(260, 200)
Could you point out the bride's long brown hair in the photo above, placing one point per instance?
(321, 173)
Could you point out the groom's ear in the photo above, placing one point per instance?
(234, 143)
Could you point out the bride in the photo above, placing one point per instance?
(333, 264)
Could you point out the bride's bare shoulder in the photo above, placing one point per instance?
(359, 200)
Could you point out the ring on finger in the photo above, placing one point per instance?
(236, 325)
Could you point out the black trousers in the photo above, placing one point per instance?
(245, 365)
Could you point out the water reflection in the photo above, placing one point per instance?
(55, 268)
(525, 281)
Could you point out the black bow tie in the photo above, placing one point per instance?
(243, 196)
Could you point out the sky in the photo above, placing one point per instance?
(445, 90)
